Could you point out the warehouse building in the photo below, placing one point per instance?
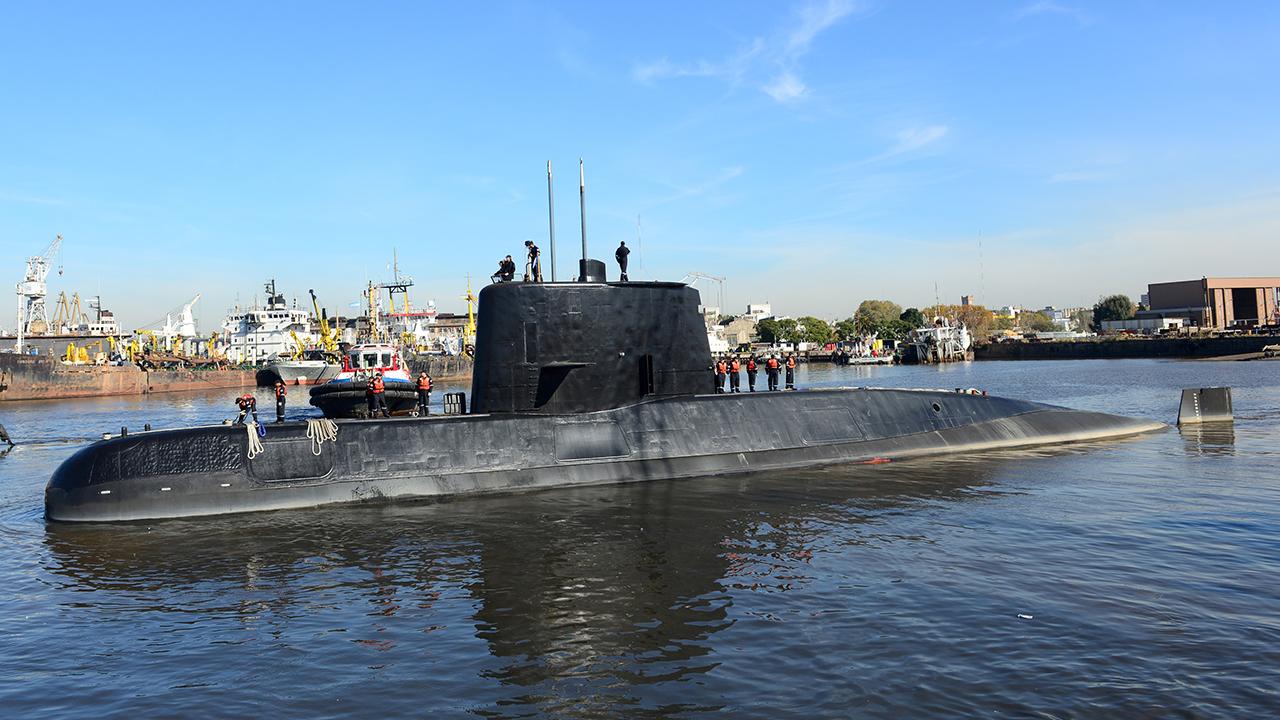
(1218, 303)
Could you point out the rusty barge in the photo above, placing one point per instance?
(42, 377)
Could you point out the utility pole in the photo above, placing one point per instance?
(551, 221)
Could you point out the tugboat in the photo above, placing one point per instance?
(575, 383)
(344, 396)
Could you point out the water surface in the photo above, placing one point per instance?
(1125, 578)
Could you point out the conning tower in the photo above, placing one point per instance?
(583, 346)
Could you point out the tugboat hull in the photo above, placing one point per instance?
(205, 471)
(348, 400)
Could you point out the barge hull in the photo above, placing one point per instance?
(33, 377)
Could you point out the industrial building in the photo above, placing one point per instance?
(1218, 303)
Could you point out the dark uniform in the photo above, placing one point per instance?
(621, 255)
(247, 404)
(424, 393)
(280, 393)
(752, 369)
(533, 265)
(791, 372)
(506, 270)
(735, 375)
(721, 370)
(771, 369)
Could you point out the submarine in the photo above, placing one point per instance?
(575, 383)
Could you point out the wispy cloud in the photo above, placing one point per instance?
(1048, 7)
(773, 65)
(684, 192)
(911, 139)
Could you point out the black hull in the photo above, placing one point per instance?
(204, 471)
(346, 400)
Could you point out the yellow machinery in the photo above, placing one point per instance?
(470, 331)
(328, 342)
(299, 347)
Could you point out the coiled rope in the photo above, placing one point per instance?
(255, 442)
(321, 430)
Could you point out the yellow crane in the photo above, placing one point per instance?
(328, 342)
(299, 346)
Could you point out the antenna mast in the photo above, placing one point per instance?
(551, 221)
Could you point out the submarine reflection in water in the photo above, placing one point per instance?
(574, 384)
(648, 564)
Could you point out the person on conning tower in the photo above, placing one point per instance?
(506, 270)
(621, 256)
(533, 263)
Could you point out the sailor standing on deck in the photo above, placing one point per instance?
(771, 369)
(532, 265)
(735, 375)
(280, 394)
(791, 371)
(621, 256)
(376, 390)
(424, 393)
(721, 369)
(752, 369)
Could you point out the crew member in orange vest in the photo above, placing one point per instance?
(791, 371)
(376, 390)
(721, 369)
(280, 393)
(735, 375)
(247, 404)
(752, 369)
(424, 393)
(771, 369)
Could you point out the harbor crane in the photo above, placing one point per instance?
(327, 340)
(33, 317)
(691, 279)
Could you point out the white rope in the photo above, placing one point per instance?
(321, 430)
(255, 443)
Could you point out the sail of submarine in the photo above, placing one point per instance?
(575, 383)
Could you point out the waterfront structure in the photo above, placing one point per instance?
(1218, 303)
(253, 336)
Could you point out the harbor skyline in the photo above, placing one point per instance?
(816, 155)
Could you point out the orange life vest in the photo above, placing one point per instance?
(246, 401)
(791, 362)
(424, 383)
(751, 365)
(735, 366)
(280, 391)
(720, 368)
(378, 386)
(772, 363)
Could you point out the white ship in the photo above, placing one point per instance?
(313, 368)
(938, 343)
(253, 336)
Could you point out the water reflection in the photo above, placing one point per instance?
(1215, 438)
(627, 585)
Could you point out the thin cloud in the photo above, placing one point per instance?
(1048, 7)
(912, 139)
(778, 59)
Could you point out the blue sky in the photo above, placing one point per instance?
(815, 154)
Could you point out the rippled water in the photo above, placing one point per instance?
(1127, 578)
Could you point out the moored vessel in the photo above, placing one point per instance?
(345, 395)
(574, 384)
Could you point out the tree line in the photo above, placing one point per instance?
(889, 321)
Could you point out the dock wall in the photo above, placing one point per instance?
(1181, 347)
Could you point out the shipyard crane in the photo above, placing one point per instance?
(691, 279)
(33, 318)
(327, 341)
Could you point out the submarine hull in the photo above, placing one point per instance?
(206, 471)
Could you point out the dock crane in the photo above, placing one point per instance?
(33, 318)
(691, 279)
(327, 341)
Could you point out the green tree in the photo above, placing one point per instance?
(1035, 321)
(816, 330)
(1083, 320)
(846, 330)
(913, 317)
(979, 320)
(875, 315)
(1112, 307)
(772, 330)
